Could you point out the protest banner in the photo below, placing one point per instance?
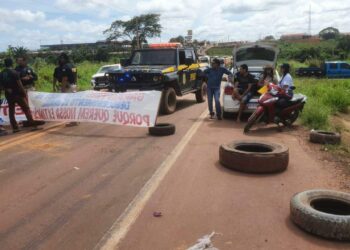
(138, 109)
(4, 113)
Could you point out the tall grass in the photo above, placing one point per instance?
(325, 98)
(45, 75)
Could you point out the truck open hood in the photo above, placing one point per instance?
(255, 55)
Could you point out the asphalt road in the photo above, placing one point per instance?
(64, 188)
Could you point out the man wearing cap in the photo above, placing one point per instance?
(214, 75)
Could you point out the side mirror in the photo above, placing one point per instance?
(125, 62)
(189, 61)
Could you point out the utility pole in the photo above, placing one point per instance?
(309, 29)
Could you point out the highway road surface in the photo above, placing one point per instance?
(96, 187)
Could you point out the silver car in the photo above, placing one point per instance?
(256, 56)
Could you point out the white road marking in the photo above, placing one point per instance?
(123, 224)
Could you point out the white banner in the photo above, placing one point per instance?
(138, 109)
(4, 113)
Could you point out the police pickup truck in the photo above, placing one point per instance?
(169, 68)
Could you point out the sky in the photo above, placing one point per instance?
(32, 23)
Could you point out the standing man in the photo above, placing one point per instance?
(26, 74)
(15, 93)
(66, 74)
(2, 130)
(214, 75)
(244, 88)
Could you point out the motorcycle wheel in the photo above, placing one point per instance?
(252, 120)
(292, 118)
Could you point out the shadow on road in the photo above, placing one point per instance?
(77, 134)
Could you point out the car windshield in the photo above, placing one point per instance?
(107, 68)
(255, 54)
(154, 57)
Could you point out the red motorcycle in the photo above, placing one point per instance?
(266, 110)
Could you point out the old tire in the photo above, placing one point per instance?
(324, 137)
(162, 129)
(168, 101)
(254, 156)
(324, 213)
(201, 94)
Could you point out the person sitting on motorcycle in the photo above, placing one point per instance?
(244, 88)
(287, 86)
(267, 76)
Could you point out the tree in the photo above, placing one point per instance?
(269, 38)
(17, 51)
(329, 33)
(136, 30)
(343, 46)
(179, 39)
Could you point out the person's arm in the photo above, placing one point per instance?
(54, 84)
(34, 76)
(20, 86)
(248, 89)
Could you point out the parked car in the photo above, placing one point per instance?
(167, 67)
(99, 80)
(336, 69)
(256, 56)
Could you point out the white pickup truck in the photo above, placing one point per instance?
(256, 56)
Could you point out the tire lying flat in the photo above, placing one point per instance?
(254, 156)
(162, 129)
(324, 137)
(324, 213)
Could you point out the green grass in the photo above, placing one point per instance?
(45, 75)
(325, 98)
(216, 51)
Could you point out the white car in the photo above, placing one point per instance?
(256, 56)
(99, 80)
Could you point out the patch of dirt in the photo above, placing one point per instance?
(337, 157)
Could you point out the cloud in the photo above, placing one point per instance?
(19, 15)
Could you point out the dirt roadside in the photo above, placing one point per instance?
(199, 196)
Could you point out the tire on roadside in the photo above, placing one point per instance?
(162, 129)
(168, 101)
(324, 137)
(324, 213)
(201, 94)
(254, 156)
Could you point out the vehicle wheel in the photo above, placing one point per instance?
(201, 94)
(324, 213)
(252, 120)
(97, 89)
(168, 101)
(254, 156)
(292, 118)
(162, 129)
(324, 137)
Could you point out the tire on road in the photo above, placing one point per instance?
(201, 94)
(324, 213)
(324, 137)
(162, 129)
(254, 156)
(168, 101)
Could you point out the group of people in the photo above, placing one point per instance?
(245, 86)
(16, 82)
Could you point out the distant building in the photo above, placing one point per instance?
(301, 37)
(96, 45)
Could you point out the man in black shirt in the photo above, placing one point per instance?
(244, 88)
(15, 93)
(26, 74)
(65, 73)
